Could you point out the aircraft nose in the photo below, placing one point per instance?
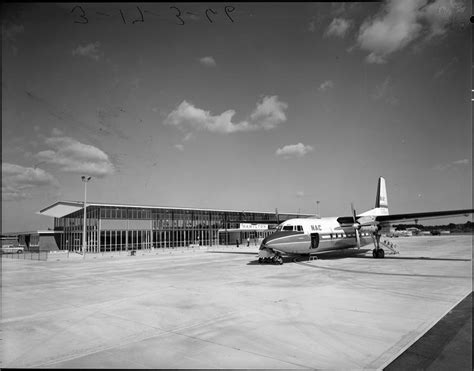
(276, 238)
(267, 241)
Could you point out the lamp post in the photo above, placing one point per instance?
(317, 209)
(85, 180)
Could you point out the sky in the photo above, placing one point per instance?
(240, 106)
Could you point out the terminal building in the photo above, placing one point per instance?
(118, 227)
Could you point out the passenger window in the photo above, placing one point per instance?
(299, 228)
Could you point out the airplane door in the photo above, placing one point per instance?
(314, 240)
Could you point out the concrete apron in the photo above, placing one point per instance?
(221, 309)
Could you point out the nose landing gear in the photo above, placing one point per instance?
(267, 256)
(274, 260)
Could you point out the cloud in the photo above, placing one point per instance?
(391, 30)
(73, 156)
(135, 83)
(328, 84)
(439, 14)
(179, 147)
(10, 31)
(300, 194)
(401, 22)
(454, 164)
(18, 181)
(445, 69)
(208, 61)
(338, 27)
(90, 50)
(187, 115)
(464, 161)
(268, 114)
(57, 132)
(294, 150)
(384, 92)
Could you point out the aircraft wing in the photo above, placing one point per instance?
(425, 215)
(410, 216)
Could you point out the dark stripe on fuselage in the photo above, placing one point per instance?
(281, 234)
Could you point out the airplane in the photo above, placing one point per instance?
(313, 236)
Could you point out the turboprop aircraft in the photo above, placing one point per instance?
(312, 236)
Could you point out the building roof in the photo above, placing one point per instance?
(63, 208)
(39, 232)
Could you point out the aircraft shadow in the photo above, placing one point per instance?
(333, 255)
(254, 262)
(234, 252)
(414, 258)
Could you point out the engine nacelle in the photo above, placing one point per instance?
(370, 228)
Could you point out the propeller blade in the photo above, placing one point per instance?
(356, 229)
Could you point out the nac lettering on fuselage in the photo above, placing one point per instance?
(316, 227)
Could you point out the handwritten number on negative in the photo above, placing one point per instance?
(123, 17)
(82, 15)
(141, 14)
(178, 15)
(229, 9)
(207, 14)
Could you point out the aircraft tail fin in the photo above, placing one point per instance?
(381, 201)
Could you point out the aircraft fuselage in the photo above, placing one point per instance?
(314, 235)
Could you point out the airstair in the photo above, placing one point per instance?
(391, 246)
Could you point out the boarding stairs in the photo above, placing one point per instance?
(391, 246)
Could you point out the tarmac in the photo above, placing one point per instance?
(219, 308)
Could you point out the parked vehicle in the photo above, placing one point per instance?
(9, 249)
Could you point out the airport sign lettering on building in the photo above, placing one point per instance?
(253, 226)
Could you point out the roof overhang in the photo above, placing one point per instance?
(61, 208)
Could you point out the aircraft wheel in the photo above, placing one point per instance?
(260, 260)
(381, 254)
(374, 253)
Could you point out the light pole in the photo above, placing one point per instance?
(317, 209)
(85, 180)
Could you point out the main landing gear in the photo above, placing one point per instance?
(378, 251)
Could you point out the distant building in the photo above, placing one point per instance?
(117, 227)
(33, 240)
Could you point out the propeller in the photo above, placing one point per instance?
(356, 225)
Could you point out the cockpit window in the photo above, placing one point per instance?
(288, 228)
(299, 228)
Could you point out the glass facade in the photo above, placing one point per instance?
(120, 228)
